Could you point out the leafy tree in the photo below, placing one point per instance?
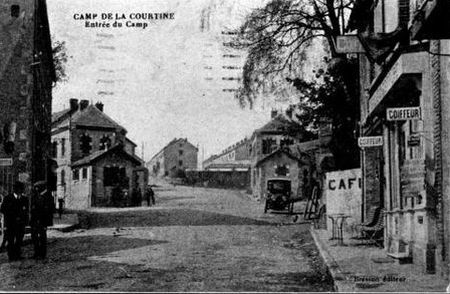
(60, 59)
(277, 38)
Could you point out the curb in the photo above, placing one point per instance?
(339, 280)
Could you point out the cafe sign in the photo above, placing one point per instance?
(373, 141)
(349, 44)
(403, 113)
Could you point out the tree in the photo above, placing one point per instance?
(277, 38)
(60, 59)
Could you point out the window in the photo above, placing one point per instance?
(84, 173)
(114, 175)
(105, 143)
(76, 175)
(180, 152)
(180, 162)
(54, 149)
(63, 177)
(63, 147)
(282, 170)
(85, 144)
(268, 145)
(286, 142)
(15, 10)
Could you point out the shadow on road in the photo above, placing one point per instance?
(163, 217)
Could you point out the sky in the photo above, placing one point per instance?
(162, 81)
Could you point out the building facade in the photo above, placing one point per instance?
(404, 81)
(26, 78)
(234, 157)
(174, 159)
(84, 138)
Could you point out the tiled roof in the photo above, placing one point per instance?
(99, 154)
(280, 124)
(91, 117)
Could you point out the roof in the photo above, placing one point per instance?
(129, 140)
(174, 141)
(91, 116)
(285, 151)
(228, 165)
(280, 124)
(100, 154)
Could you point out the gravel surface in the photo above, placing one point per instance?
(194, 239)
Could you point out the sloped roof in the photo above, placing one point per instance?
(287, 151)
(100, 154)
(91, 116)
(280, 124)
(174, 141)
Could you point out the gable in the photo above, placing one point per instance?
(92, 117)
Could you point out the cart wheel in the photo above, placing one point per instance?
(265, 206)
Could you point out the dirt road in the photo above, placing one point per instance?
(194, 239)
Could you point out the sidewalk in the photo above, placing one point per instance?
(369, 269)
(66, 223)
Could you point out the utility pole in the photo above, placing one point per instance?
(142, 150)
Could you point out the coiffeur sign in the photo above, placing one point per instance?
(403, 113)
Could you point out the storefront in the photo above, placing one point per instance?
(400, 109)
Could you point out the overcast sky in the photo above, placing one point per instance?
(155, 80)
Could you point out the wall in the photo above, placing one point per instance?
(79, 198)
(95, 135)
(172, 157)
(20, 100)
(101, 195)
(343, 194)
(219, 179)
(266, 170)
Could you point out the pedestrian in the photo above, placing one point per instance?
(150, 195)
(42, 210)
(60, 206)
(14, 208)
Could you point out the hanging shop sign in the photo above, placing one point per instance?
(413, 140)
(349, 44)
(373, 141)
(403, 113)
(6, 161)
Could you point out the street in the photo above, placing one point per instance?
(194, 239)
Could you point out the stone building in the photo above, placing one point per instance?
(26, 78)
(174, 159)
(404, 100)
(91, 149)
(280, 133)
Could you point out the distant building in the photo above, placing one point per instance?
(235, 157)
(26, 77)
(174, 159)
(93, 156)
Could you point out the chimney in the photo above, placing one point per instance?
(273, 113)
(73, 104)
(99, 106)
(84, 104)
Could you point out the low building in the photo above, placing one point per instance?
(235, 157)
(90, 149)
(174, 159)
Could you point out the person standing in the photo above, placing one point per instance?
(42, 210)
(150, 195)
(14, 209)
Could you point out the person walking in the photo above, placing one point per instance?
(150, 195)
(14, 208)
(42, 210)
